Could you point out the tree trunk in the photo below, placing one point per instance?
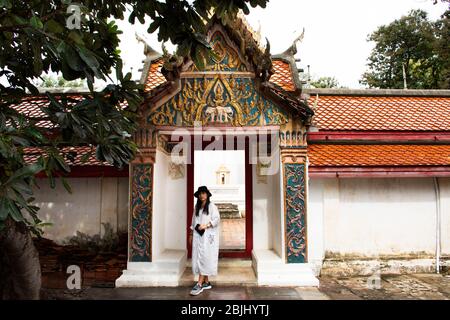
(20, 270)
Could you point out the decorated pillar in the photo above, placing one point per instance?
(293, 158)
(141, 198)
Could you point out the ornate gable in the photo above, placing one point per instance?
(226, 92)
(227, 57)
(221, 99)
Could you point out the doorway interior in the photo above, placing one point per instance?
(228, 175)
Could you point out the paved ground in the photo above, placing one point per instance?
(232, 234)
(416, 287)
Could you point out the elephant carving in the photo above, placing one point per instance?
(219, 113)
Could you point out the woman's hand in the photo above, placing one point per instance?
(203, 226)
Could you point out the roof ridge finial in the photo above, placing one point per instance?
(256, 35)
(292, 50)
(148, 50)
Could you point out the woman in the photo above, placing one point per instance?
(205, 239)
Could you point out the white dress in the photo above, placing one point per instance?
(205, 249)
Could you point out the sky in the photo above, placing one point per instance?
(335, 41)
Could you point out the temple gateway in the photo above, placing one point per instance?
(229, 105)
(322, 181)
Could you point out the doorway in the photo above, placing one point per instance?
(228, 175)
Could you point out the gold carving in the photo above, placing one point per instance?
(218, 100)
(176, 170)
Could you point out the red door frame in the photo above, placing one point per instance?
(247, 253)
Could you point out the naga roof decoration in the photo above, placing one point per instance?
(233, 87)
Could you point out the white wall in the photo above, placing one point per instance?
(169, 208)
(93, 201)
(262, 209)
(209, 161)
(277, 223)
(314, 221)
(159, 202)
(378, 216)
(444, 186)
(268, 212)
(176, 219)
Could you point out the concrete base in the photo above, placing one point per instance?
(231, 272)
(382, 265)
(272, 271)
(165, 271)
(169, 270)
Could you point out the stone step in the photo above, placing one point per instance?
(227, 276)
(228, 262)
(155, 272)
(289, 267)
(147, 280)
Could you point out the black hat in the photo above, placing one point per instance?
(202, 189)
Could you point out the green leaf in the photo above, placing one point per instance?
(5, 4)
(22, 187)
(85, 157)
(52, 180)
(14, 211)
(36, 23)
(24, 172)
(199, 58)
(19, 140)
(44, 224)
(73, 59)
(76, 37)
(53, 27)
(119, 73)
(127, 77)
(19, 19)
(66, 185)
(153, 26)
(60, 160)
(88, 57)
(4, 207)
(34, 132)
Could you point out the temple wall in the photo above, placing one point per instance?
(262, 213)
(175, 227)
(93, 201)
(315, 222)
(367, 217)
(169, 208)
(159, 203)
(277, 213)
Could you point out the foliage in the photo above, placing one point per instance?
(415, 44)
(50, 81)
(325, 82)
(36, 38)
(96, 243)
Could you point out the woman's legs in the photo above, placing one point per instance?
(200, 279)
(205, 279)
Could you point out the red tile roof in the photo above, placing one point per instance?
(340, 112)
(378, 155)
(33, 153)
(282, 75)
(154, 76)
(32, 106)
